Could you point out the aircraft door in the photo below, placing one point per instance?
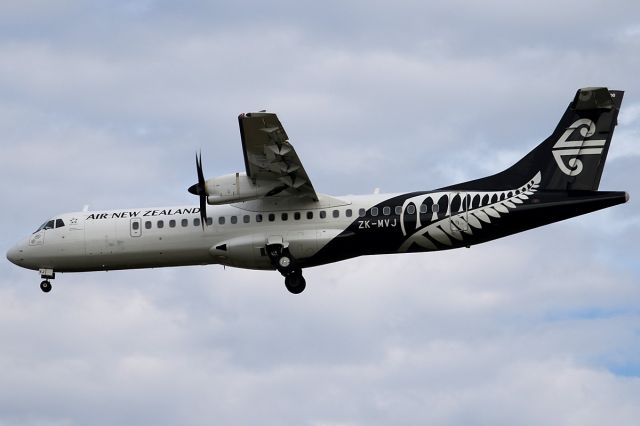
(458, 211)
(135, 227)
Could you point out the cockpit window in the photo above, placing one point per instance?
(50, 224)
(47, 225)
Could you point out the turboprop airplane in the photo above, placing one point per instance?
(271, 217)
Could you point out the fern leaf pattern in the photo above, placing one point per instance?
(438, 225)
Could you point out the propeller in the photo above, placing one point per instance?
(200, 190)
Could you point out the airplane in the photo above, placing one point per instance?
(270, 217)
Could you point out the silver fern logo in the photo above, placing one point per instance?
(446, 221)
(576, 148)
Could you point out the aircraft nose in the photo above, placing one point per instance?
(14, 254)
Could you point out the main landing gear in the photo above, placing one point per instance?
(282, 260)
(46, 274)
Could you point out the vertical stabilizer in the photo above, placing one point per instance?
(573, 157)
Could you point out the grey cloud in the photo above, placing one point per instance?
(536, 328)
(435, 345)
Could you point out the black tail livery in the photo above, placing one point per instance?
(557, 180)
(573, 157)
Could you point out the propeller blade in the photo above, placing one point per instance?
(200, 174)
(200, 190)
(203, 210)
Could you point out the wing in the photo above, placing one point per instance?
(268, 155)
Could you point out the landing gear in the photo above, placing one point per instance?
(46, 275)
(45, 286)
(282, 260)
(295, 283)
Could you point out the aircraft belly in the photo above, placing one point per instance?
(125, 255)
(236, 251)
(248, 251)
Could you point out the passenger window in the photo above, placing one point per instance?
(374, 211)
(147, 224)
(435, 208)
(258, 218)
(59, 223)
(221, 220)
(386, 210)
(272, 217)
(234, 219)
(185, 222)
(296, 216)
(160, 224)
(209, 221)
(196, 222)
(362, 212)
(323, 214)
(172, 223)
(285, 216)
(349, 212)
(246, 218)
(411, 209)
(398, 210)
(336, 213)
(135, 225)
(309, 215)
(423, 208)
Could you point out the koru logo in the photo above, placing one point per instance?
(576, 148)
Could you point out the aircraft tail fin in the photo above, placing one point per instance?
(573, 157)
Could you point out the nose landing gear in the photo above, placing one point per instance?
(46, 275)
(282, 260)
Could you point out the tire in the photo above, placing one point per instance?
(45, 286)
(295, 283)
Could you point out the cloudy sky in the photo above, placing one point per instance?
(104, 103)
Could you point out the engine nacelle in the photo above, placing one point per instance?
(236, 187)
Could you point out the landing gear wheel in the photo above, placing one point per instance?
(295, 283)
(45, 286)
(288, 266)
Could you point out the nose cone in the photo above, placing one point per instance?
(22, 255)
(13, 255)
(16, 255)
(194, 189)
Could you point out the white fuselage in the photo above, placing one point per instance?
(173, 236)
